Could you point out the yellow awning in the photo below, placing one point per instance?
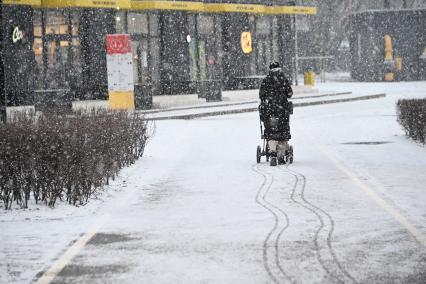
(194, 6)
(113, 4)
(22, 2)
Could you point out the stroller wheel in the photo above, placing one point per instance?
(273, 161)
(291, 154)
(258, 154)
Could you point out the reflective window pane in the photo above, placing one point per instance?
(37, 24)
(56, 23)
(137, 23)
(153, 24)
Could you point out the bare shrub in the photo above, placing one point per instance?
(54, 157)
(412, 117)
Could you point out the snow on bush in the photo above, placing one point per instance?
(412, 117)
(66, 157)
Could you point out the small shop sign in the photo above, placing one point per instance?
(120, 72)
(17, 35)
(246, 43)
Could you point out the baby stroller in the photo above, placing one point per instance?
(275, 129)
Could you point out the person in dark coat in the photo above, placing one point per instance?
(274, 93)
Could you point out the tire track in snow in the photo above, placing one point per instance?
(281, 223)
(339, 273)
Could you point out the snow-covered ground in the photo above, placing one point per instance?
(198, 209)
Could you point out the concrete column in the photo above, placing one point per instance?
(18, 61)
(287, 45)
(2, 93)
(95, 24)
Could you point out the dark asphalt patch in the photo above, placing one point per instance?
(79, 270)
(103, 239)
(367, 143)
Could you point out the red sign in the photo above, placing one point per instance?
(118, 44)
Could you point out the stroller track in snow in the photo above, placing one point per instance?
(333, 268)
(280, 217)
(322, 215)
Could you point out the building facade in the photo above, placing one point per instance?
(54, 50)
(404, 55)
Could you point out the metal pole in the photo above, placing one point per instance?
(296, 57)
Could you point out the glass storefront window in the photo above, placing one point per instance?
(60, 65)
(37, 24)
(154, 59)
(76, 61)
(153, 24)
(205, 25)
(140, 61)
(38, 56)
(56, 23)
(75, 43)
(56, 64)
(135, 57)
(137, 23)
(38, 49)
(74, 23)
(263, 26)
(120, 22)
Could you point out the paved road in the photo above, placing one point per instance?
(351, 209)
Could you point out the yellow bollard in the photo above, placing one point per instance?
(121, 101)
(305, 78)
(388, 48)
(389, 61)
(398, 64)
(309, 78)
(389, 77)
(312, 78)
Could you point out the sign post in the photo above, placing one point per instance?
(120, 72)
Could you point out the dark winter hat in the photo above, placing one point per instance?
(274, 65)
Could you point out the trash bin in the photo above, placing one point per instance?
(211, 90)
(143, 95)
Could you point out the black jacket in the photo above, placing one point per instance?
(274, 92)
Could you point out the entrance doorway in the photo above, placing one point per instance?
(58, 60)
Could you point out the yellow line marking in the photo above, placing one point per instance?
(78, 246)
(66, 258)
(379, 200)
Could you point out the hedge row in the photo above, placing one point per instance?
(58, 157)
(412, 117)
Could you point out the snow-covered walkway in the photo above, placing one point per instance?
(198, 209)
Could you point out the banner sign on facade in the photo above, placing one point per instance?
(120, 71)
